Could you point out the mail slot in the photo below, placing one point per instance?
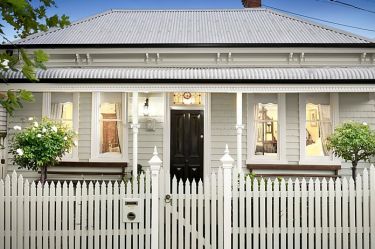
(131, 208)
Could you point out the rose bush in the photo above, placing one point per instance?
(41, 145)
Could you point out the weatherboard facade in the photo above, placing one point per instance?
(268, 85)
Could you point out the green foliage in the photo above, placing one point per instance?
(41, 144)
(353, 142)
(12, 99)
(29, 17)
(26, 17)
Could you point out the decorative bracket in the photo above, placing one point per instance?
(147, 58)
(302, 57)
(78, 59)
(290, 59)
(88, 58)
(363, 57)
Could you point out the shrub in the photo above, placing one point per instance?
(41, 145)
(352, 141)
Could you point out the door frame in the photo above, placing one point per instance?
(206, 131)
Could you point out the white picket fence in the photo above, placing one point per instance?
(67, 216)
(226, 210)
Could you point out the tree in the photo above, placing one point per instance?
(353, 141)
(41, 145)
(26, 17)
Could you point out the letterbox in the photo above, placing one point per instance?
(131, 210)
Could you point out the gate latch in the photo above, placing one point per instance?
(168, 199)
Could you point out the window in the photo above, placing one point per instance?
(63, 107)
(266, 128)
(62, 110)
(318, 128)
(318, 114)
(187, 98)
(108, 127)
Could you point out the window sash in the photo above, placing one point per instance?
(279, 124)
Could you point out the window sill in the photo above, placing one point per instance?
(266, 161)
(69, 159)
(108, 159)
(319, 161)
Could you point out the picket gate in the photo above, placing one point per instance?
(226, 210)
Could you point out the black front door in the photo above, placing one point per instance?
(187, 144)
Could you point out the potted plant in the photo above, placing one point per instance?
(353, 142)
(41, 145)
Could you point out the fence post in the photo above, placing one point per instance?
(227, 162)
(155, 164)
(372, 205)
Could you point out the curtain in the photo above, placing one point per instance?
(119, 126)
(325, 125)
(56, 111)
(256, 128)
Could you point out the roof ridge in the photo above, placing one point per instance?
(319, 25)
(188, 10)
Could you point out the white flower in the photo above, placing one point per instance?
(36, 124)
(19, 152)
(4, 63)
(75, 143)
(364, 123)
(76, 132)
(39, 135)
(65, 138)
(17, 127)
(54, 128)
(44, 130)
(31, 118)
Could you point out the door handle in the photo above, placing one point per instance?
(202, 136)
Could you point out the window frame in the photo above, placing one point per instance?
(96, 156)
(251, 136)
(46, 112)
(304, 99)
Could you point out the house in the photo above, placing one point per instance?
(269, 85)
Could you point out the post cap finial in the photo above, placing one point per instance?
(155, 151)
(155, 162)
(226, 151)
(226, 159)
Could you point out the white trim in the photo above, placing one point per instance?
(324, 160)
(204, 88)
(281, 143)
(207, 136)
(166, 131)
(46, 112)
(95, 132)
(135, 127)
(239, 128)
(46, 107)
(206, 130)
(187, 107)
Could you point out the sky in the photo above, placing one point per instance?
(322, 9)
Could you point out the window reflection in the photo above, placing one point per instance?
(267, 129)
(110, 128)
(318, 128)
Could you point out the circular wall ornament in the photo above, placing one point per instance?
(187, 95)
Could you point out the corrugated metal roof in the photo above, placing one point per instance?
(244, 26)
(329, 73)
